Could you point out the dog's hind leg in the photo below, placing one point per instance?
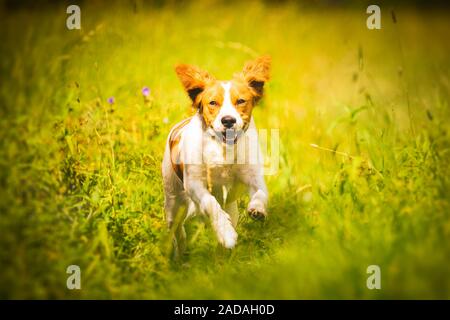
(232, 209)
(179, 241)
(175, 215)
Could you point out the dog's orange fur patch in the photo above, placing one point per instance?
(213, 92)
(174, 145)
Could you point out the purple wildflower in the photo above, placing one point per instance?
(145, 91)
(111, 100)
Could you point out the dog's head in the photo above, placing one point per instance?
(226, 106)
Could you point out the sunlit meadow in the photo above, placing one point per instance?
(364, 175)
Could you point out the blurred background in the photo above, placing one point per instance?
(364, 155)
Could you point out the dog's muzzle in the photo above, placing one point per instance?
(228, 136)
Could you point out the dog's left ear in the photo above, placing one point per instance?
(194, 81)
(256, 73)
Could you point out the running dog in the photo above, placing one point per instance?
(210, 156)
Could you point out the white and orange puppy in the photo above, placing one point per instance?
(210, 156)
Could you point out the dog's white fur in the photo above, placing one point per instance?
(212, 179)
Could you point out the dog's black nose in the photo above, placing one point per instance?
(228, 121)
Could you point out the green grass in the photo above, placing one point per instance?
(81, 183)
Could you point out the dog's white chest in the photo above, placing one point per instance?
(213, 153)
(218, 160)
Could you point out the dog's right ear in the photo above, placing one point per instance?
(257, 73)
(194, 80)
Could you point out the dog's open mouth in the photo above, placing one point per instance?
(229, 136)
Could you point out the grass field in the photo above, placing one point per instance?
(80, 177)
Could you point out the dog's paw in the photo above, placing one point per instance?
(230, 238)
(256, 210)
(226, 234)
(257, 215)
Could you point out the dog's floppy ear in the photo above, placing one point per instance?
(256, 73)
(193, 79)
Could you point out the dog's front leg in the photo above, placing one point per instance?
(258, 194)
(220, 220)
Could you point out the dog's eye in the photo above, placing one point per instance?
(213, 103)
(240, 101)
